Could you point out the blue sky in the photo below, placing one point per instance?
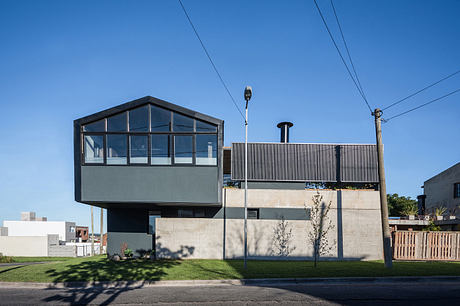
(61, 60)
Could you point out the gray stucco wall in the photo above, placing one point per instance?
(150, 184)
(439, 190)
(128, 226)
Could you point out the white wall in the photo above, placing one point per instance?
(40, 228)
(24, 246)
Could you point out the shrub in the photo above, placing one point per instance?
(129, 253)
(5, 259)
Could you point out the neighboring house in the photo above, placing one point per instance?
(81, 233)
(158, 169)
(443, 190)
(32, 226)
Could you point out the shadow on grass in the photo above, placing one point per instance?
(125, 276)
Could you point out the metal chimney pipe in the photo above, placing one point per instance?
(284, 128)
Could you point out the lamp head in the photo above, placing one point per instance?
(248, 93)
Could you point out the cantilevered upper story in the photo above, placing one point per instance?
(148, 152)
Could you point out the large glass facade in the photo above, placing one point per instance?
(117, 149)
(206, 149)
(161, 149)
(150, 135)
(183, 149)
(94, 149)
(138, 149)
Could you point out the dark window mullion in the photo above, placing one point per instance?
(106, 151)
(128, 148)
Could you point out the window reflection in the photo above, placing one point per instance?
(98, 126)
(183, 149)
(161, 119)
(206, 150)
(205, 127)
(161, 148)
(116, 150)
(182, 123)
(117, 123)
(138, 149)
(94, 149)
(139, 119)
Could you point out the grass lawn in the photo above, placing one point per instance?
(98, 268)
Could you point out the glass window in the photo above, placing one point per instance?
(161, 119)
(98, 126)
(185, 213)
(205, 127)
(161, 150)
(153, 215)
(457, 190)
(199, 213)
(206, 150)
(94, 149)
(183, 149)
(182, 123)
(138, 149)
(116, 149)
(117, 123)
(139, 119)
(253, 213)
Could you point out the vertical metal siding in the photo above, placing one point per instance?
(306, 162)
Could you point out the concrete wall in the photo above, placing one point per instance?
(40, 228)
(439, 190)
(24, 246)
(355, 216)
(154, 184)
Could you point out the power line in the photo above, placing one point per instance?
(341, 56)
(210, 59)
(346, 47)
(419, 91)
(422, 105)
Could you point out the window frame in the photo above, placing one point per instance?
(257, 211)
(148, 133)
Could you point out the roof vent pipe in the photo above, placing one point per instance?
(284, 127)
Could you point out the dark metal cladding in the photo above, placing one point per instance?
(290, 162)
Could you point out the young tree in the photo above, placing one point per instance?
(282, 238)
(321, 226)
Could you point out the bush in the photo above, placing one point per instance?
(5, 259)
(129, 253)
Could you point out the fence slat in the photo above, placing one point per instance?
(411, 245)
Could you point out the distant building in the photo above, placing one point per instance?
(31, 226)
(81, 233)
(442, 190)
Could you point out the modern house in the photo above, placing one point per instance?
(159, 170)
(442, 190)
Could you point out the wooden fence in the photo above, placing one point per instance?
(411, 245)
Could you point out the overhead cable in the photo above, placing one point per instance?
(419, 91)
(210, 59)
(341, 57)
(422, 105)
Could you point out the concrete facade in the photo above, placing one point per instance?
(65, 230)
(439, 191)
(355, 215)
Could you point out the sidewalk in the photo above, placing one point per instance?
(228, 282)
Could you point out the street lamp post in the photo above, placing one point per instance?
(247, 97)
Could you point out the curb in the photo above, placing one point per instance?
(226, 282)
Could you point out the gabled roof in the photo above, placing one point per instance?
(450, 169)
(143, 101)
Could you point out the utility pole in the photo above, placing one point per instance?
(92, 232)
(247, 97)
(387, 255)
(102, 229)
